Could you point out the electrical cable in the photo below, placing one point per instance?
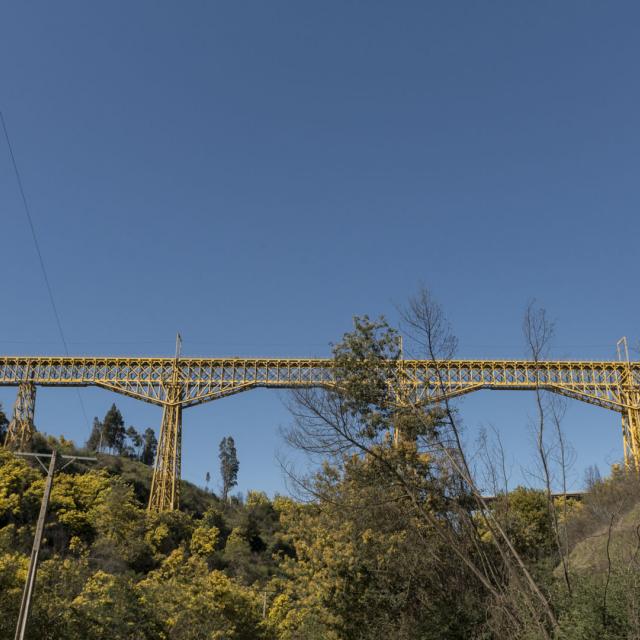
(39, 252)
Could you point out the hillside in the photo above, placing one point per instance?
(193, 499)
(106, 561)
(354, 564)
(606, 530)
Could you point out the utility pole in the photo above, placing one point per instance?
(27, 594)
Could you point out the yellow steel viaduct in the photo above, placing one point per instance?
(178, 383)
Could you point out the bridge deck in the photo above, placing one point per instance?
(203, 379)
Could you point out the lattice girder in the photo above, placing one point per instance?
(203, 380)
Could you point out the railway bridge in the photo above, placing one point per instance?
(178, 383)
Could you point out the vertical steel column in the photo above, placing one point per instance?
(631, 438)
(165, 486)
(399, 390)
(21, 428)
(626, 449)
(27, 594)
(633, 420)
(630, 396)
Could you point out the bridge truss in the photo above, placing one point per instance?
(178, 383)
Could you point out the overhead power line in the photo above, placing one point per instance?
(34, 236)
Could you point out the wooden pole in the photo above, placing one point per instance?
(27, 594)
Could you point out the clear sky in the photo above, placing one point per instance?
(253, 174)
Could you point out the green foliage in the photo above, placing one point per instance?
(229, 465)
(18, 503)
(238, 556)
(204, 541)
(524, 513)
(136, 442)
(113, 429)
(149, 447)
(366, 568)
(94, 443)
(110, 434)
(4, 423)
(109, 569)
(109, 607)
(588, 615)
(167, 531)
(353, 565)
(361, 372)
(13, 572)
(194, 602)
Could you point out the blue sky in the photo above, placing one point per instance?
(254, 174)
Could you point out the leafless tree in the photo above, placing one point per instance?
(538, 332)
(492, 462)
(427, 326)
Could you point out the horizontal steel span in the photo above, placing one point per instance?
(177, 383)
(609, 384)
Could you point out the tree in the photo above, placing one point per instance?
(538, 331)
(149, 446)
(525, 516)
(592, 477)
(109, 606)
(194, 602)
(95, 441)
(229, 465)
(518, 599)
(207, 478)
(366, 568)
(237, 554)
(4, 423)
(429, 474)
(113, 428)
(136, 441)
(397, 550)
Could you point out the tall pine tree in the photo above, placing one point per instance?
(95, 441)
(229, 465)
(113, 429)
(136, 442)
(149, 446)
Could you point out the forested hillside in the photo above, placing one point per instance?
(351, 565)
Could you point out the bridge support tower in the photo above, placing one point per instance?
(21, 428)
(630, 396)
(631, 438)
(165, 486)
